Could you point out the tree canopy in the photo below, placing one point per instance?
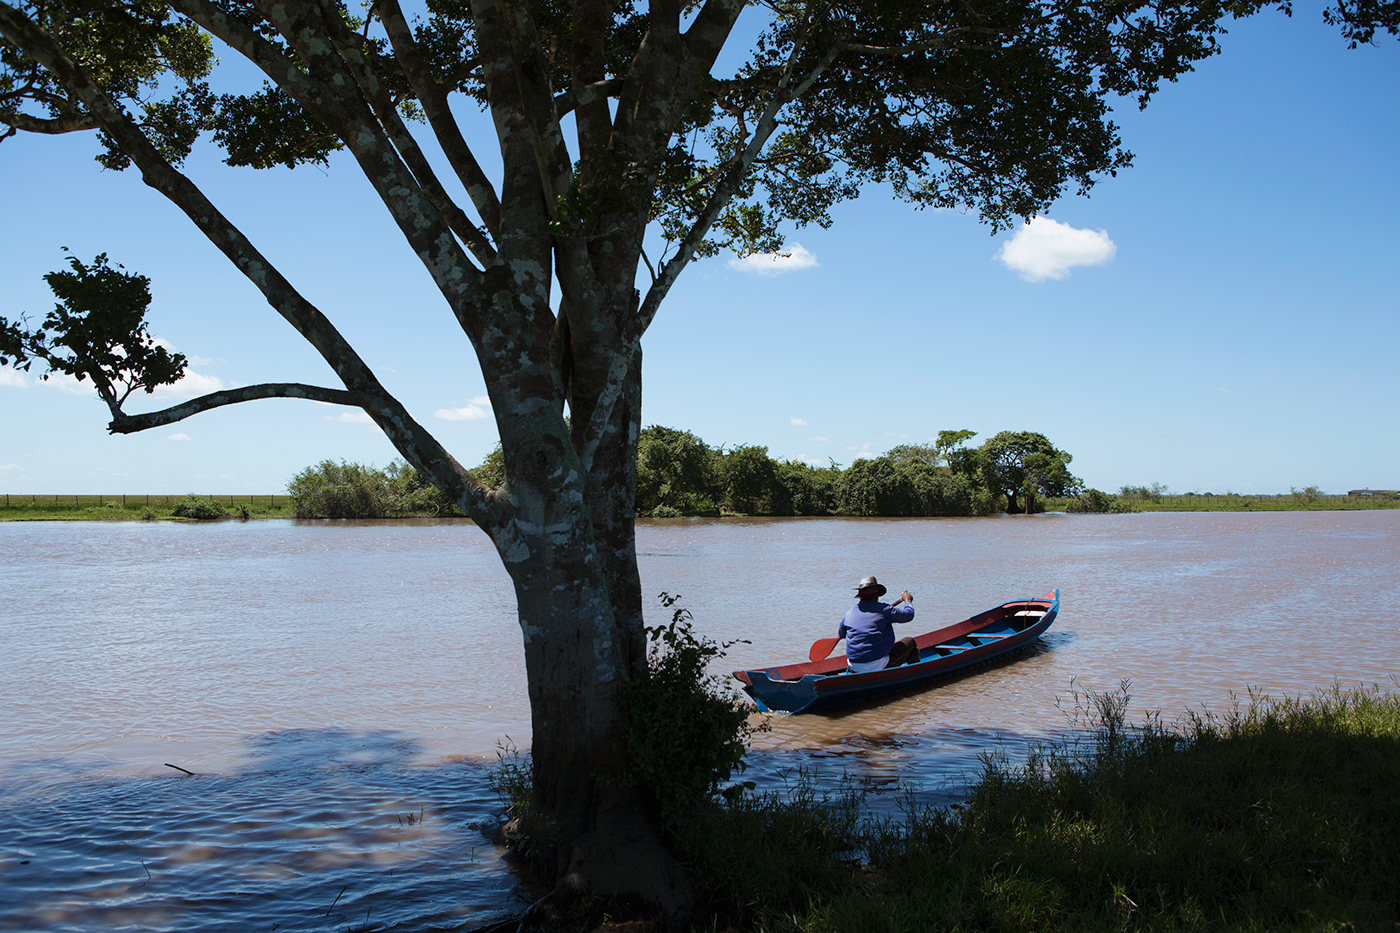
(609, 119)
(1025, 462)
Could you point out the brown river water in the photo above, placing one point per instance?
(339, 689)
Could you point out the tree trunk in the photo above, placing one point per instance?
(568, 543)
(592, 829)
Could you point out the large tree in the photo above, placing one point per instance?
(1018, 462)
(610, 120)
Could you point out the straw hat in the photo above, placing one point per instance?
(870, 584)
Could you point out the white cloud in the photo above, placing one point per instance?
(177, 437)
(1223, 389)
(7, 467)
(13, 378)
(799, 422)
(1047, 249)
(793, 259)
(476, 409)
(190, 385)
(69, 384)
(350, 417)
(821, 440)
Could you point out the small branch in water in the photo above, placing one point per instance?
(148, 874)
(178, 768)
(336, 901)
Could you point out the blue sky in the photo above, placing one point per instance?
(1222, 316)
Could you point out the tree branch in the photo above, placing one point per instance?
(725, 190)
(433, 98)
(388, 115)
(349, 116)
(67, 123)
(122, 423)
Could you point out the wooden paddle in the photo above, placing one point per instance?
(821, 648)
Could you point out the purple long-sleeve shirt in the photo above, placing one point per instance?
(869, 629)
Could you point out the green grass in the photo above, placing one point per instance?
(131, 508)
(1236, 502)
(1282, 816)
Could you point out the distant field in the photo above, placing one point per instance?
(1236, 502)
(30, 507)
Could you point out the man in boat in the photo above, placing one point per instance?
(869, 629)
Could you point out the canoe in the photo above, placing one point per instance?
(816, 686)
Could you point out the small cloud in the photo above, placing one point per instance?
(1223, 389)
(895, 434)
(8, 467)
(858, 448)
(812, 461)
(13, 378)
(821, 440)
(177, 437)
(793, 259)
(1047, 249)
(350, 417)
(798, 422)
(69, 384)
(190, 385)
(476, 409)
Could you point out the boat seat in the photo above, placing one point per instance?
(1005, 635)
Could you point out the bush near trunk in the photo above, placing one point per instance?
(687, 728)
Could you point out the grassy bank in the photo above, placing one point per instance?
(133, 507)
(1237, 502)
(1281, 816)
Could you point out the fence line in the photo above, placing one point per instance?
(124, 500)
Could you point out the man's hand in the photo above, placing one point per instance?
(906, 597)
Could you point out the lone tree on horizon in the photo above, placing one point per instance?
(611, 120)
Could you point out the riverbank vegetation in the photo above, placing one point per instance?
(679, 475)
(1274, 816)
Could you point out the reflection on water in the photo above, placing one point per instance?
(321, 830)
(320, 677)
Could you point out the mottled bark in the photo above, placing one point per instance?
(123, 423)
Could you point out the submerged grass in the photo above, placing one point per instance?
(1279, 816)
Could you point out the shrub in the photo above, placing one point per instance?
(341, 490)
(1098, 501)
(687, 730)
(198, 508)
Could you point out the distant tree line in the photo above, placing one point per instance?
(680, 474)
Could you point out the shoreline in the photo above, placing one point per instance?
(160, 507)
